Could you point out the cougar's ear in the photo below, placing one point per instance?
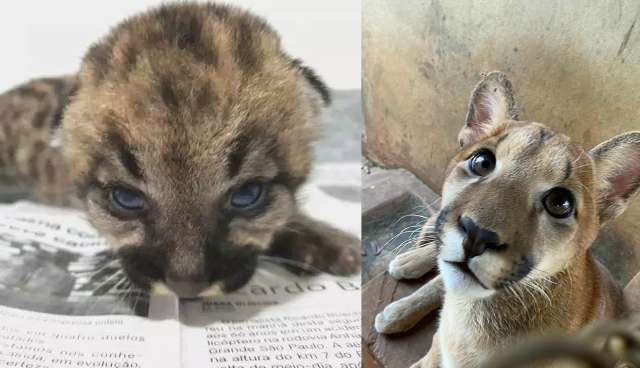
(491, 105)
(617, 174)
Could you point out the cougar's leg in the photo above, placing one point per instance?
(404, 313)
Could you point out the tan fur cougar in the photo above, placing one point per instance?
(521, 208)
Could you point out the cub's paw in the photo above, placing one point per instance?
(310, 246)
(412, 264)
(396, 317)
(347, 261)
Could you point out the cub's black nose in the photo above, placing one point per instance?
(477, 240)
(186, 289)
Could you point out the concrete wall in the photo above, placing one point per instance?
(575, 66)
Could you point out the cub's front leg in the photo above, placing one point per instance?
(309, 245)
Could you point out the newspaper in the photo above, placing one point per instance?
(64, 301)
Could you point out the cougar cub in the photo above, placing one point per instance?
(185, 134)
(521, 207)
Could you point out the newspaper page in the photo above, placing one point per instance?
(277, 321)
(64, 301)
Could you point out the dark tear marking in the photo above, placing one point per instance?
(125, 154)
(314, 80)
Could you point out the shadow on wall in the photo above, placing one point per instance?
(576, 72)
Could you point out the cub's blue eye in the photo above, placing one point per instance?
(127, 199)
(247, 195)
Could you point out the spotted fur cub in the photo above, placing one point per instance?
(186, 135)
(521, 208)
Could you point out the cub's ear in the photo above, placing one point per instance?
(491, 105)
(315, 85)
(617, 173)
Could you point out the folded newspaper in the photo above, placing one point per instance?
(64, 302)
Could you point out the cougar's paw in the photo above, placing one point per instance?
(412, 264)
(396, 317)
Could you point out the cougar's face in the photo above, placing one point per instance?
(516, 206)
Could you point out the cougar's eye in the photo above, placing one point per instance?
(127, 199)
(559, 202)
(482, 162)
(247, 195)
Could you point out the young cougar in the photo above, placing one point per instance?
(521, 207)
(186, 135)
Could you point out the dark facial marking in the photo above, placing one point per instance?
(143, 264)
(41, 117)
(237, 155)
(545, 135)
(522, 269)
(63, 101)
(38, 148)
(205, 97)
(184, 29)
(125, 154)
(168, 93)
(50, 171)
(29, 91)
(218, 10)
(291, 182)
(501, 138)
(567, 170)
(441, 220)
(99, 57)
(246, 53)
(535, 145)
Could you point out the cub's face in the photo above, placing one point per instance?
(521, 203)
(188, 145)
